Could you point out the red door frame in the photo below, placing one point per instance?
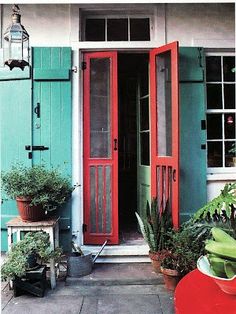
(113, 236)
(159, 161)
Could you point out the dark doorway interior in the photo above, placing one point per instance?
(131, 67)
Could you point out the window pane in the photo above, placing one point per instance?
(229, 125)
(144, 114)
(214, 126)
(214, 96)
(214, 154)
(213, 69)
(144, 138)
(228, 66)
(95, 30)
(100, 107)
(164, 108)
(139, 29)
(117, 29)
(230, 154)
(229, 95)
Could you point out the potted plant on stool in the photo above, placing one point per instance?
(37, 190)
(154, 227)
(18, 259)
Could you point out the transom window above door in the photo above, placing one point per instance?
(97, 28)
(221, 112)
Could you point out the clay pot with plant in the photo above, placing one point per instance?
(37, 190)
(34, 247)
(154, 226)
(183, 252)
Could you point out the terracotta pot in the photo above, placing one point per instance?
(171, 278)
(27, 212)
(156, 262)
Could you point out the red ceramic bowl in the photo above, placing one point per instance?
(226, 285)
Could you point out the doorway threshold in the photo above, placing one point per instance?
(123, 253)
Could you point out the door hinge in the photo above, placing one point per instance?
(84, 228)
(203, 146)
(203, 124)
(83, 65)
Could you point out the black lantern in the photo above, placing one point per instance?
(17, 49)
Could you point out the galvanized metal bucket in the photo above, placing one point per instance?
(81, 265)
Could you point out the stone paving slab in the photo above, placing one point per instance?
(81, 298)
(119, 274)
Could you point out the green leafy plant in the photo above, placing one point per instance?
(184, 250)
(16, 262)
(220, 211)
(155, 224)
(45, 187)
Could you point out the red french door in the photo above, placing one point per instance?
(100, 148)
(164, 95)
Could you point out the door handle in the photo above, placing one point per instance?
(37, 110)
(115, 144)
(174, 175)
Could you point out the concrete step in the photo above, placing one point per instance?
(118, 274)
(83, 290)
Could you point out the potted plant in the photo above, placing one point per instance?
(35, 245)
(183, 252)
(37, 190)
(154, 226)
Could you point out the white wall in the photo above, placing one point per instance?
(47, 25)
(205, 25)
(192, 24)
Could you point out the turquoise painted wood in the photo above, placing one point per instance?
(16, 73)
(193, 185)
(15, 121)
(54, 74)
(53, 129)
(191, 64)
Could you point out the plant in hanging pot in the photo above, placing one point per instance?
(154, 226)
(35, 246)
(36, 189)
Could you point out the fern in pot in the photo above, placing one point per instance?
(37, 190)
(154, 225)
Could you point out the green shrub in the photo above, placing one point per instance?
(37, 243)
(44, 187)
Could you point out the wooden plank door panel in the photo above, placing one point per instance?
(164, 93)
(52, 127)
(100, 148)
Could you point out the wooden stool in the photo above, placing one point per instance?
(50, 225)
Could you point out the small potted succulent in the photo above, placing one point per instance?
(24, 255)
(37, 190)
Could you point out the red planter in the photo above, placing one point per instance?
(156, 262)
(156, 258)
(171, 278)
(27, 212)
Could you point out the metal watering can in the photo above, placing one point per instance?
(82, 265)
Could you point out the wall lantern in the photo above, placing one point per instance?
(17, 46)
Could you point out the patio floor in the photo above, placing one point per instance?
(110, 289)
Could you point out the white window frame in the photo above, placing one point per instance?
(109, 15)
(216, 173)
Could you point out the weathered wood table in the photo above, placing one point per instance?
(50, 225)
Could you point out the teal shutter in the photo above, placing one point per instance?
(52, 126)
(193, 189)
(15, 121)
